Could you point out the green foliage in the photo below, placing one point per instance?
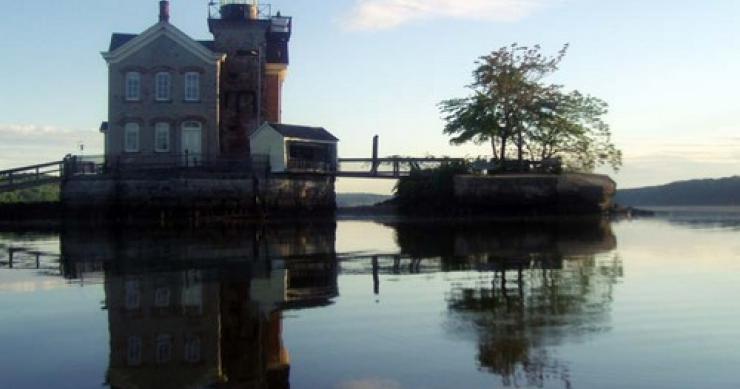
(429, 189)
(44, 193)
(516, 111)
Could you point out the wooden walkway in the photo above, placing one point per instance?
(24, 258)
(378, 168)
(30, 176)
(387, 168)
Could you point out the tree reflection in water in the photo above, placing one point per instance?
(540, 284)
(205, 307)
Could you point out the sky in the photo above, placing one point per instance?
(668, 70)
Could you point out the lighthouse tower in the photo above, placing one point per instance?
(250, 86)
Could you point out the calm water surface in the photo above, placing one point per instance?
(649, 303)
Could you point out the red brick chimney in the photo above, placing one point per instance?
(164, 11)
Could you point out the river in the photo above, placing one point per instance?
(359, 304)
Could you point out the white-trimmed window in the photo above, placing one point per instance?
(162, 137)
(131, 138)
(162, 297)
(192, 292)
(192, 86)
(163, 349)
(192, 349)
(192, 125)
(133, 294)
(133, 351)
(162, 86)
(133, 86)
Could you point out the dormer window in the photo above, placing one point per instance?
(192, 86)
(162, 86)
(133, 86)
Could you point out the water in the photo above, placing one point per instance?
(648, 303)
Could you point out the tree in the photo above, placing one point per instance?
(429, 189)
(572, 128)
(512, 107)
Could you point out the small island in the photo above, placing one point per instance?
(545, 144)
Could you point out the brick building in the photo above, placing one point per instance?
(175, 100)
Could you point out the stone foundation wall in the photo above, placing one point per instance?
(101, 192)
(307, 193)
(574, 193)
(244, 196)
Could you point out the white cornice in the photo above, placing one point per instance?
(281, 70)
(308, 140)
(156, 31)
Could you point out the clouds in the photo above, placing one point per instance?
(653, 160)
(21, 130)
(719, 145)
(28, 144)
(387, 14)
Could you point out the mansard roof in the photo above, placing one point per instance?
(123, 45)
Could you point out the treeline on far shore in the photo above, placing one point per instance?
(41, 194)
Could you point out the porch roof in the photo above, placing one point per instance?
(304, 132)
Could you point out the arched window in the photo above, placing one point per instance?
(192, 86)
(162, 137)
(191, 125)
(133, 86)
(162, 86)
(131, 138)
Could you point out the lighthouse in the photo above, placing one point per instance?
(251, 78)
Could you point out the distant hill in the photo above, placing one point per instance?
(723, 191)
(359, 199)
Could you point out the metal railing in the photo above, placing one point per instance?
(396, 167)
(391, 167)
(299, 165)
(169, 164)
(549, 165)
(83, 165)
(264, 11)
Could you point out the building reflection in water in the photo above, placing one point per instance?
(539, 285)
(203, 309)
